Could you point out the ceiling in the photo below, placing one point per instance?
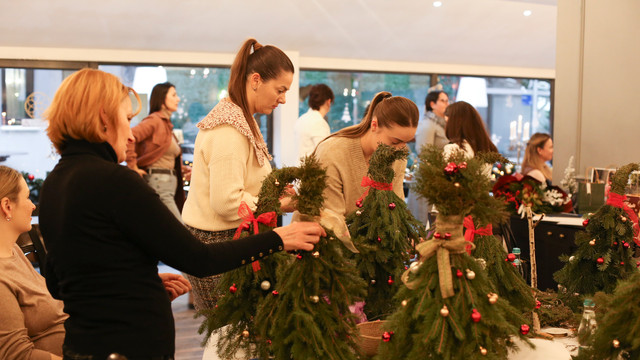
(475, 32)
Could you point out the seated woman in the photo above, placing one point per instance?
(465, 131)
(106, 230)
(31, 321)
(539, 151)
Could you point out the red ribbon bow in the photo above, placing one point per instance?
(471, 232)
(617, 200)
(245, 213)
(369, 183)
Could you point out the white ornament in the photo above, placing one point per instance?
(265, 285)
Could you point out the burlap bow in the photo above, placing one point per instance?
(330, 220)
(442, 248)
(245, 213)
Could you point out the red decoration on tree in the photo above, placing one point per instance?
(233, 289)
(475, 316)
(451, 168)
(386, 336)
(275, 293)
(31, 177)
(511, 257)
(538, 304)
(299, 257)
(625, 244)
(585, 223)
(392, 206)
(462, 165)
(390, 281)
(600, 261)
(621, 262)
(437, 235)
(524, 329)
(459, 273)
(359, 203)
(268, 342)
(447, 236)
(379, 240)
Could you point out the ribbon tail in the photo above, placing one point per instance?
(256, 266)
(332, 221)
(444, 273)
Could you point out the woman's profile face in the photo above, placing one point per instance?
(546, 151)
(121, 135)
(21, 218)
(271, 93)
(172, 100)
(395, 135)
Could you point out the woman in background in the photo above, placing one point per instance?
(231, 157)
(465, 131)
(391, 120)
(311, 128)
(31, 321)
(539, 151)
(155, 153)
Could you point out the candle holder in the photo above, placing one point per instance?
(518, 138)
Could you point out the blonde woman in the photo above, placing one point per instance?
(539, 151)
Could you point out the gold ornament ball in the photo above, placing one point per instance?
(624, 219)
(316, 254)
(456, 184)
(245, 334)
(483, 351)
(358, 212)
(616, 343)
(314, 299)
(277, 182)
(265, 285)
(444, 311)
(592, 242)
(404, 303)
(493, 298)
(470, 274)
(373, 281)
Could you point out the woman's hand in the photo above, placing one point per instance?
(175, 284)
(300, 235)
(140, 172)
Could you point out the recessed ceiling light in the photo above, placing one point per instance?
(527, 13)
(437, 3)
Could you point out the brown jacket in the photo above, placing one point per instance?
(153, 137)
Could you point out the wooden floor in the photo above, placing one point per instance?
(187, 338)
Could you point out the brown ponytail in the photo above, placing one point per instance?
(389, 110)
(268, 61)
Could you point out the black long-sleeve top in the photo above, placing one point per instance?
(105, 230)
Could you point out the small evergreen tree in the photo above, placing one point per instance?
(618, 318)
(247, 286)
(307, 316)
(384, 232)
(449, 309)
(604, 251)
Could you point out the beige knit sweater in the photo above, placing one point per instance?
(31, 321)
(229, 165)
(344, 159)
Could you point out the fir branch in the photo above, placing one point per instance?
(621, 177)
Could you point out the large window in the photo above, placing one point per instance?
(354, 90)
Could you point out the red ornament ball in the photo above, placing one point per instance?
(392, 206)
(475, 316)
(451, 168)
(600, 261)
(299, 257)
(233, 289)
(511, 257)
(268, 342)
(275, 293)
(386, 336)
(538, 304)
(459, 273)
(447, 236)
(524, 329)
(621, 262)
(626, 245)
(390, 281)
(359, 203)
(462, 165)
(30, 177)
(437, 235)
(379, 240)
(585, 223)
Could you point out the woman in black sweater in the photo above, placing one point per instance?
(106, 229)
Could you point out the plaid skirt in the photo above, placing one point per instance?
(204, 294)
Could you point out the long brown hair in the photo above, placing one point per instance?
(465, 123)
(159, 96)
(268, 61)
(532, 158)
(389, 110)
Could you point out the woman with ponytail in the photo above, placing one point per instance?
(231, 157)
(391, 120)
(539, 151)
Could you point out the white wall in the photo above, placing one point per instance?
(596, 116)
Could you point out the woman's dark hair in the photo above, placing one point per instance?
(432, 97)
(389, 110)
(158, 96)
(267, 61)
(318, 95)
(465, 123)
